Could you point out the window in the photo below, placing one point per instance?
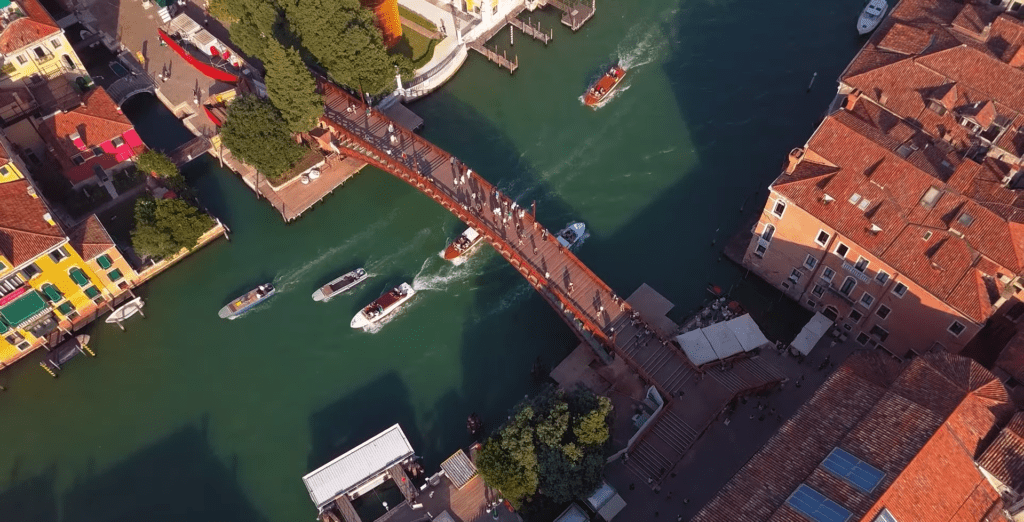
(867, 299)
(931, 196)
(854, 471)
(900, 289)
(854, 198)
(780, 208)
(848, 286)
(22, 60)
(827, 274)
(966, 219)
(881, 333)
(956, 328)
(856, 316)
(760, 250)
(882, 277)
(66, 308)
(768, 232)
(55, 43)
(810, 262)
(30, 271)
(862, 264)
(822, 238)
(92, 292)
(40, 52)
(815, 506)
(818, 290)
(78, 276)
(97, 151)
(77, 159)
(862, 339)
(59, 254)
(117, 142)
(842, 250)
(884, 515)
(811, 303)
(883, 311)
(864, 203)
(115, 274)
(794, 276)
(104, 261)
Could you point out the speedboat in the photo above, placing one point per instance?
(383, 306)
(125, 311)
(462, 246)
(244, 303)
(340, 285)
(871, 16)
(604, 87)
(571, 234)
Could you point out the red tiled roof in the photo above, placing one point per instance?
(1004, 458)
(905, 39)
(24, 233)
(1011, 359)
(973, 19)
(920, 429)
(90, 239)
(96, 121)
(36, 25)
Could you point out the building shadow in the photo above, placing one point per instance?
(31, 499)
(178, 478)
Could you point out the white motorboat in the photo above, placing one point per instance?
(340, 285)
(384, 305)
(125, 311)
(572, 234)
(871, 16)
(463, 245)
(246, 302)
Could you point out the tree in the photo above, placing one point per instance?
(253, 31)
(291, 87)
(159, 164)
(163, 227)
(256, 134)
(537, 452)
(344, 38)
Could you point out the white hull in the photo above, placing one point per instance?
(357, 276)
(571, 234)
(125, 311)
(361, 320)
(871, 16)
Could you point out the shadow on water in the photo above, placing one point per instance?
(155, 123)
(178, 478)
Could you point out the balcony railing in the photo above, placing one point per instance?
(856, 273)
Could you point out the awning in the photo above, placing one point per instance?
(91, 292)
(115, 274)
(52, 293)
(22, 308)
(66, 308)
(722, 340)
(366, 461)
(812, 332)
(78, 276)
(104, 261)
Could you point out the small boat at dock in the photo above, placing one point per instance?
(383, 306)
(340, 285)
(64, 352)
(125, 311)
(871, 16)
(601, 89)
(463, 245)
(571, 234)
(244, 303)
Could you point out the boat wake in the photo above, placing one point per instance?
(513, 297)
(642, 44)
(373, 328)
(443, 278)
(383, 263)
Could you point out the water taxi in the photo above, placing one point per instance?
(463, 246)
(244, 303)
(340, 285)
(572, 234)
(383, 306)
(604, 87)
(871, 16)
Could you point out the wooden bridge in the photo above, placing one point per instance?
(595, 313)
(189, 151)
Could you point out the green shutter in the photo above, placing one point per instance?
(23, 307)
(66, 308)
(115, 274)
(78, 276)
(52, 293)
(91, 292)
(104, 261)
(3, 328)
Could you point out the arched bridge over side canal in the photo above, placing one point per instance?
(593, 310)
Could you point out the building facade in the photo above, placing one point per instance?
(904, 212)
(32, 45)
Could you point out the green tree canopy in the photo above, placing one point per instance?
(256, 134)
(164, 226)
(291, 88)
(158, 163)
(554, 445)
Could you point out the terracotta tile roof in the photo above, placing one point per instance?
(1011, 359)
(90, 239)
(96, 121)
(1004, 458)
(36, 25)
(921, 428)
(973, 19)
(905, 39)
(24, 233)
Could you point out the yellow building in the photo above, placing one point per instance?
(31, 44)
(51, 280)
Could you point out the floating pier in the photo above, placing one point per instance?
(575, 13)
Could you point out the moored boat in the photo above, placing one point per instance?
(871, 16)
(571, 234)
(244, 303)
(604, 87)
(340, 285)
(125, 311)
(383, 306)
(463, 245)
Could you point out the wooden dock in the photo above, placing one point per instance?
(528, 29)
(576, 13)
(500, 59)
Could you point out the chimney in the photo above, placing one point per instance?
(851, 99)
(795, 156)
(49, 219)
(32, 192)
(883, 98)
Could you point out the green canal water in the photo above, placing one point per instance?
(187, 417)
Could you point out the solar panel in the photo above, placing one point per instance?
(816, 506)
(858, 473)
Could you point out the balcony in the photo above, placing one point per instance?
(837, 293)
(856, 273)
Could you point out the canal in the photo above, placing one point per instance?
(187, 417)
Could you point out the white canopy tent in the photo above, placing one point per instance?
(722, 340)
(812, 332)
